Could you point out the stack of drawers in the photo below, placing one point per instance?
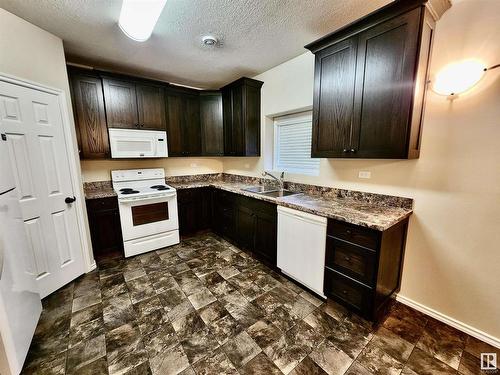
(363, 265)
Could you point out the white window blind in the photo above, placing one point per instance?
(292, 144)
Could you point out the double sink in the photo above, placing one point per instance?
(274, 193)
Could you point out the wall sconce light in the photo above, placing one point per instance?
(459, 77)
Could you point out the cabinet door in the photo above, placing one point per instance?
(90, 117)
(151, 106)
(105, 226)
(245, 227)
(333, 99)
(188, 204)
(206, 208)
(227, 111)
(251, 107)
(174, 124)
(266, 237)
(121, 103)
(384, 87)
(223, 219)
(211, 124)
(237, 124)
(191, 129)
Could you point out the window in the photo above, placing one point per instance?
(292, 144)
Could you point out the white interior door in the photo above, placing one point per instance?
(32, 121)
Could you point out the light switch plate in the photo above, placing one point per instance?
(365, 174)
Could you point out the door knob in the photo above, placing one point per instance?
(70, 200)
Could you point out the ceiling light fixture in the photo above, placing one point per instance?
(138, 18)
(459, 77)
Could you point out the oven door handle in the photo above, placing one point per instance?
(131, 200)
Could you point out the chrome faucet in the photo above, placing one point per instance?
(280, 181)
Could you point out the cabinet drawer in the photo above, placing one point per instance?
(358, 235)
(348, 291)
(100, 204)
(351, 260)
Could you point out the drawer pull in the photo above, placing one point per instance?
(344, 292)
(348, 231)
(347, 259)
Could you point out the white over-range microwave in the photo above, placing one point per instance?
(131, 143)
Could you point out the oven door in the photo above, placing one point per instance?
(148, 216)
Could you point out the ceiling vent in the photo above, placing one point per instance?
(210, 41)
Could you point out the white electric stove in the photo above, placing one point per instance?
(148, 210)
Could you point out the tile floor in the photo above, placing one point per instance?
(205, 307)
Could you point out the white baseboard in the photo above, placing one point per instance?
(474, 332)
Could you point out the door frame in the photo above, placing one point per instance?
(72, 155)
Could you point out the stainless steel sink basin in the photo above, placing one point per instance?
(269, 193)
(279, 193)
(256, 189)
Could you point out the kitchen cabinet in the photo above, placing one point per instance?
(369, 84)
(211, 123)
(151, 106)
(132, 104)
(105, 227)
(223, 214)
(363, 266)
(121, 103)
(183, 122)
(266, 229)
(194, 208)
(90, 115)
(250, 223)
(198, 123)
(241, 117)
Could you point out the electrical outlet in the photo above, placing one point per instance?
(365, 174)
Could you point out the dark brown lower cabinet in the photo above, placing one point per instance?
(105, 227)
(363, 266)
(224, 213)
(251, 224)
(194, 207)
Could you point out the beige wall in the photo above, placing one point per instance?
(100, 170)
(32, 54)
(452, 260)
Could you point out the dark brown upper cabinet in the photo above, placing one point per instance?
(151, 106)
(183, 122)
(211, 123)
(134, 105)
(90, 116)
(369, 84)
(241, 116)
(121, 103)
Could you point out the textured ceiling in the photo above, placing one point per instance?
(257, 34)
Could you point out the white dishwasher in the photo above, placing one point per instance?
(301, 247)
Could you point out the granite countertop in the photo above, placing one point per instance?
(369, 210)
(99, 189)
(373, 213)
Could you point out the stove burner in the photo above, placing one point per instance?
(129, 191)
(126, 189)
(160, 187)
